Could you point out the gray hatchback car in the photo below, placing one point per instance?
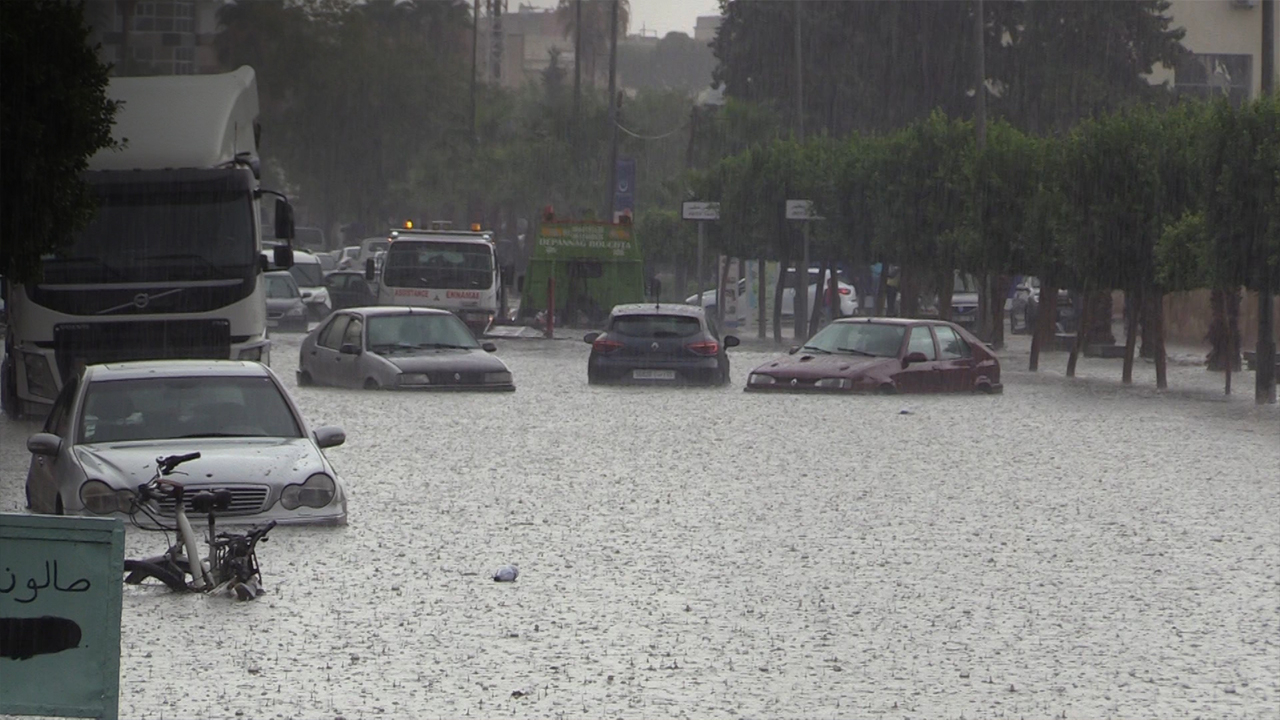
(399, 348)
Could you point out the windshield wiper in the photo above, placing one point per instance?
(217, 269)
(115, 272)
(857, 352)
(443, 346)
(824, 351)
(215, 434)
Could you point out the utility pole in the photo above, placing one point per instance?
(577, 74)
(1265, 390)
(613, 108)
(800, 304)
(475, 55)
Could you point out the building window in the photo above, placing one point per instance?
(164, 17)
(1210, 75)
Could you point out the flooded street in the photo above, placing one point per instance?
(1067, 549)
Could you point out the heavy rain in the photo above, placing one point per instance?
(1015, 452)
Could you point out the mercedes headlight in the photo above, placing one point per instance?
(316, 492)
(834, 384)
(497, 378)
(102, 499)
(414, 379)
(761, 379)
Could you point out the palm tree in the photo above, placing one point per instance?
(595, 29)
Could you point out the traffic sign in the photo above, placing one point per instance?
(693, 210)
(802, 210)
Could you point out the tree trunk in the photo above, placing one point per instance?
(815, 313)
(783, 264)
(946, 291)
(908, 296)
(1098, 310)
(682, 282)
(1086, 318)
(723, 278)
(1046, 322)
(1148, 347)
(1133, 302)
(1000, 284)
(1153, 318)
(1224, 330)
(882, 290)
(761, 286)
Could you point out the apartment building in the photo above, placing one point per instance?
(1225, 39)
(155, 37)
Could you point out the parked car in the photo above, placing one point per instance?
(654, 343)
(887, 355)
(309, 274)
(710, 298)
(328, 261)
(348, 289)
(110, 423)
(347, 258)
(964, 301)
(396, 347)
(848, 294)
(285, 310)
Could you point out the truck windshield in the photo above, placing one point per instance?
(153, 231)
(449, 265)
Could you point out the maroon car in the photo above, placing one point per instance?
(888, 355)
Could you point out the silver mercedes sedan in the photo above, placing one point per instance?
(110, 423)
(399, 348)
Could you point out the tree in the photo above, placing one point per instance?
(676, 62)
(56, 115)
(595, 30)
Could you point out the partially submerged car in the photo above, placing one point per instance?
(111, 422)
(286, 312)
(888, 355)
(654, 343)
(397, 347)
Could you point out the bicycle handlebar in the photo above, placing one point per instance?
(166, 465)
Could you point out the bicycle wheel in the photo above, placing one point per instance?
(139, 571)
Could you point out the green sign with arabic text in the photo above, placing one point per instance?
(60, 594)
(585, 241)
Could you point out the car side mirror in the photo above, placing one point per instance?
(329, 436)
(914, 357)
(793, 349)
(731, 341)
(489, 347)
(284, 220)
(349, 349)
(370, 269)
(46, 444)
(282, 256)
(590, 337)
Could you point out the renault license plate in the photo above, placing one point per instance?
(653, 374)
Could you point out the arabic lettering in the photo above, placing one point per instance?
(51, 577)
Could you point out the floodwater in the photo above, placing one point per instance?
(1070, 549)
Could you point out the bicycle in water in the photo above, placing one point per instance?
(231, 565)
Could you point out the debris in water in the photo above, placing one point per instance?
(904, 411)
(506, 573)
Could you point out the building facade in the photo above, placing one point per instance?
(155, 37)
(1225, 40)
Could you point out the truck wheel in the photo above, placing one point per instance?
(304, 379)
(372, 384)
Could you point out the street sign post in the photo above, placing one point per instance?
(702, 212)
(802, 210)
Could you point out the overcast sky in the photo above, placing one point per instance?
(662, 16)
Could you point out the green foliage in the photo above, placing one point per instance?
(55, 117)
(676, 62)
(1244, 203)
(1184, 254)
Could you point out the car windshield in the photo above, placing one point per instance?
(307, 274)
(655, 326)
(400, 332)
(157, 408)
(439, 265)
(875, 339)
(281, 287)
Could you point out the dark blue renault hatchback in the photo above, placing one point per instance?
(662, 344)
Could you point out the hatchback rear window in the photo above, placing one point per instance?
(655, 326)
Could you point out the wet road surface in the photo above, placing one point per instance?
(1068, 549)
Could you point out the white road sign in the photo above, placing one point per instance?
(801, 210)
(691, 210)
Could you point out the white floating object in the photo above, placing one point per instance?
(506, 573)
